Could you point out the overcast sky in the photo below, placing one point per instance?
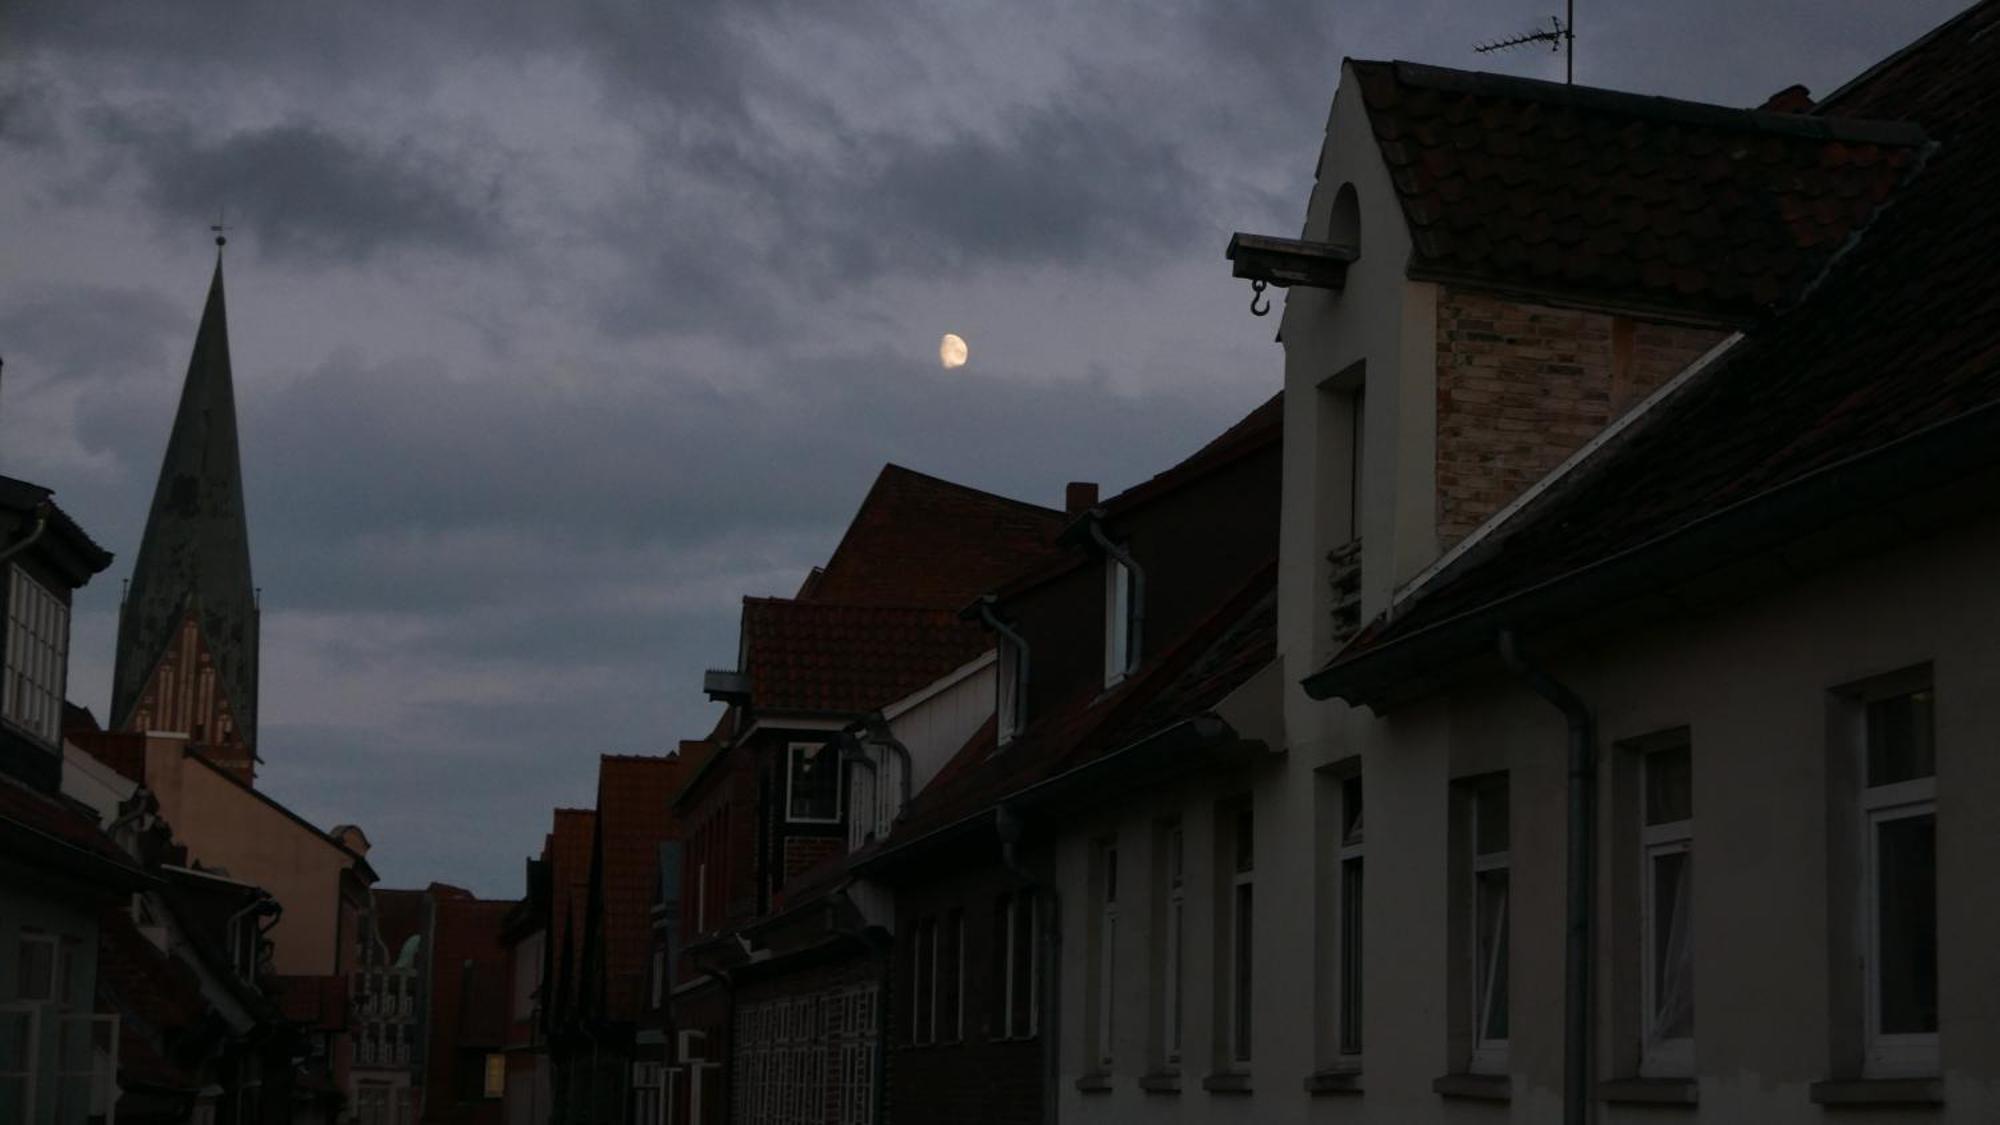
(559, 327)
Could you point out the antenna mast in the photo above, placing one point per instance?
(1560, 36)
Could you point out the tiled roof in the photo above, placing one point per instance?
(157, 996)
(1902, 335)
(633, 794)
(1186, 680)
(569, 856)
(59, 819)
(920, 541)
(1259, 430)
(1623, 199)
(848, 659)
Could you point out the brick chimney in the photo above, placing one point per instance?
(1079, 495)
(1792, 99)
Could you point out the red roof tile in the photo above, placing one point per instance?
(1623, 199)
(1902, 335)
(1186, 680)
(920, 541)
(59, 819)
(847, 659)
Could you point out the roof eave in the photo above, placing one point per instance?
(1407, 667)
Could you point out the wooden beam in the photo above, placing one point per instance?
(1285, 262)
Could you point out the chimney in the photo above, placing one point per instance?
(1792, 99)
(1079, 495)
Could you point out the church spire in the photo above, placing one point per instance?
(187, 633)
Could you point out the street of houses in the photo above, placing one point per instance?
(1626, 494)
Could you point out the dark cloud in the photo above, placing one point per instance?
(563, 326)
(310, 194)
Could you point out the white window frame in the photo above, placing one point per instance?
(1011, 915)
(1489, 1056)
(1888, 1055)
(1118, 607)
(1009, 706)
(1659, 1056)
(1350, 966)
(1107, 951)
(1173, 990)
(36, 658)
(793, 752)
(1240, 985)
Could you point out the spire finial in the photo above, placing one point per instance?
(220, 228)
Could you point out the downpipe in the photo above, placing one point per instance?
(1577, 999)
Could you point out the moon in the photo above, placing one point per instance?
(951, 351)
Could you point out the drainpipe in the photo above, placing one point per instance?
(1009, 826)
(1576, 943)
(41, 525)
(1021, 680)
(880, 733)
(1138, 608)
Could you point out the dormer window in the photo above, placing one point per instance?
(37, 657)
(813, 783)
(1119, 608)
(1010, 705)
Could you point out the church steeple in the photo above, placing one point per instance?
(187, 633)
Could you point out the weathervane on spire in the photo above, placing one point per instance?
(220, 228)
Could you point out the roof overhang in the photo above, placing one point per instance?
(1285, 262)
(1873, 500)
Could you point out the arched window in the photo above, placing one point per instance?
(1345, 228)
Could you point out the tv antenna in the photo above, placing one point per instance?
(1560, 35)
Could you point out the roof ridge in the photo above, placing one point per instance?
(1893, 58)
(1659, 106)
(961, 487)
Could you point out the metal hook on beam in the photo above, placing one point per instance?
(1256, 295)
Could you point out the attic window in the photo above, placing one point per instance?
(37, 657)
(812, 783)
(1118, 612)
(1010, 704)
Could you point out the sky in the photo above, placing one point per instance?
(558, 328)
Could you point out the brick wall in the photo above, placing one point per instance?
(979, 1077)
(803, 853)
(1521, 386)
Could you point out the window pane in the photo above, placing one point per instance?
(1490, 827)
(1669, 786)
(1906, 899)
(1672, 948)
(1350, 811)
(35, 971)
(1350, 956)
(1491, 906)
(815, 783)
(1244, 953)
(1900, 746)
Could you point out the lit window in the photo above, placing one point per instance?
(813, 783)
(1119, 609)
(1666, 888)
(1899, 851)
(1489, 835)
(496, 1076)
(37, 657)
